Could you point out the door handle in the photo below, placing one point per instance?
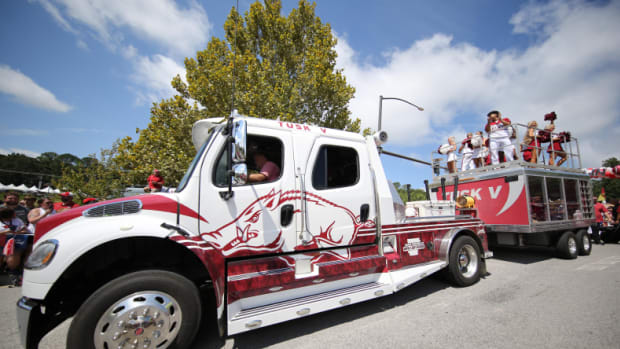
(286, 215)
(364, 211)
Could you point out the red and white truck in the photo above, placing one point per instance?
(329, 231)
(527, 204)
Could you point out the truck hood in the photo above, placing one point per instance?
(154, 202)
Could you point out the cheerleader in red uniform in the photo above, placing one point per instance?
(555, 149)
(531, 143)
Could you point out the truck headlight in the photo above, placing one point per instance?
(42, 255)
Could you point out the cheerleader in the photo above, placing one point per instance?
(467, 163)
(477, 143)
(499, 132)
(555, 149)
(531, 143)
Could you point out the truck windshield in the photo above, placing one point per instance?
(190, 170)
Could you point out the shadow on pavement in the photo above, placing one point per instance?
(524, 256)
(208, 337)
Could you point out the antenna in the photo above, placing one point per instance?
(232, 102)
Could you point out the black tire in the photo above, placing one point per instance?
(584, 243)
(465, 262)
(150, 289)
(567, 245)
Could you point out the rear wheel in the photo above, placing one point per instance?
(146, 309)
(584, 244)
(464, 262)
(567, 245)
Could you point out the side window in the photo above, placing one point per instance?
(554, 197)
(335, 167)
(537, 199)
(264, 155)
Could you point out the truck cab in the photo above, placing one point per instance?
(256, 246)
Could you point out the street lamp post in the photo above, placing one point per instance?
(381, 98)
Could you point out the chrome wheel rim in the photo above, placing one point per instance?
(147, 319)
(586, 243)
(572, 245)
(468, 261)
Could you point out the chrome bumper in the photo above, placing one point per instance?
(26, 307)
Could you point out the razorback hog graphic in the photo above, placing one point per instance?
(254, 232)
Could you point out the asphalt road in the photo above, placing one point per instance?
(530, 300)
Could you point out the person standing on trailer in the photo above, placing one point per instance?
(499, 134)
(467, 163)
(531, 143)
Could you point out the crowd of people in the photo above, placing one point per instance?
(18, 222)
(497, 146)
(605, 216)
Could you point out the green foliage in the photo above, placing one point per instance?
(95, 177)
(21, 169)
(612, 186)
(284, 67)
(416, 194)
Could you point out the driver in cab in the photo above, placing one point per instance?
(269, 171)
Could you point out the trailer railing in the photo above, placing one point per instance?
(541, 153)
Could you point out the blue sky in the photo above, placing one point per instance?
(76, 75)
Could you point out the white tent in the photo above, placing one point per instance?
(22, 187)
(47, 190)
(11, 187)
(2, 186)
(33, 189)
(56, 191)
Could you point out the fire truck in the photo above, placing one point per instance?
(322, 229)
(524, 203)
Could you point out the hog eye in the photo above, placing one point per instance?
(254, 217)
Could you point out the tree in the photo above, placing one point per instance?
(93, 177)
(283, 67)
(612, 186)
(416, 194)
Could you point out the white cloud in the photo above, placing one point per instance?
(23, 132)
(30, 153)
(26, 91)
(574, 69)
(153, 75)
(179, 30)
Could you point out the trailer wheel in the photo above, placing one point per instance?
(465, 262)
(145, 309)
(584, 244)
(567, 245)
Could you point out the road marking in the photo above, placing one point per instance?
(600, 265)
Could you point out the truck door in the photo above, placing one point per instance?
(339, 196)
(260, 216)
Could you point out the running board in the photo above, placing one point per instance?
(253, 318)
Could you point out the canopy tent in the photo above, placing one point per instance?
(33, 189)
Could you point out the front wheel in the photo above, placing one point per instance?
(465, 262)
(145, 309)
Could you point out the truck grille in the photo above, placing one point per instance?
(114, 209)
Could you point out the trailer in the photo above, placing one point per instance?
(526, 204)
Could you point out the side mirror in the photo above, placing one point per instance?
(239, 134)
(239, 174)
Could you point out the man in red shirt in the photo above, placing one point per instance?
(66, 202)
(601, 214)
(156, 181)
(269, 171)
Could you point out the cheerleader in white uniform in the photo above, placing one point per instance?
(467, 149)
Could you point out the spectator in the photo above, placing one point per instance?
(29, 200)
(601, 214)
(11, 200)
(499, 134)
(269, 171)
(46, 208)
(156, 181)
(14, 244)
(66, 203)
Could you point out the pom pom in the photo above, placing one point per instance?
(551, 116)
(565, 136)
